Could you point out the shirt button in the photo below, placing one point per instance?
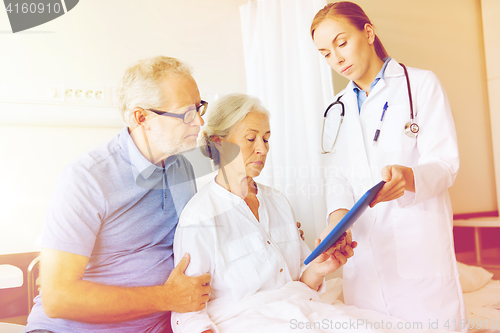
(281, 270)
(177, 322)
(268, 242)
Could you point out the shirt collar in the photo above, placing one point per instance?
(380, 75)
(229, 195)
(140, 165)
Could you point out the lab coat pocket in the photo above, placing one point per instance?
(287, 239)
(394, 146)
(422, 247)
(243, 260)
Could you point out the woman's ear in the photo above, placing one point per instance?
(217, 142)
(370, 33)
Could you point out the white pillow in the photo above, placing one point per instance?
(472, 277)
(333, 291)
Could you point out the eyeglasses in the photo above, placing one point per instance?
(187, 116)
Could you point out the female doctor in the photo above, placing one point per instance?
(405, 264)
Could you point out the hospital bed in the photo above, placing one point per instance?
(481, 296)
(483, 307)
(10, 277)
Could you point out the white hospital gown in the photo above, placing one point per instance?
(255, 268)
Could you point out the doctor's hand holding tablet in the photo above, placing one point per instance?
(391, 123)
(398, 179)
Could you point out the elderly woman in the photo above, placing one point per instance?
(244, 235)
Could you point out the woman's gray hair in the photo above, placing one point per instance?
(142, 84)
(223, 117)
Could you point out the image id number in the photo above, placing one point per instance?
(33, 7)
(472, 324)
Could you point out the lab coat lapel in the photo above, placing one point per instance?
(350, 100)
(393, 69)
(358, 151)
(358, 159)
(378, 87)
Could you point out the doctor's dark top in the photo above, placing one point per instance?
(115, 207)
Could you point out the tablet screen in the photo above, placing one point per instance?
(347, 222)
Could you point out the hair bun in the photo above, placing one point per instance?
(208, 143)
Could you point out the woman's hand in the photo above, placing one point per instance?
(341, 244)
(334, 219)
(328, 261)
(301, 232)
(349, 240)
(336, 256)
(346, 239)
(398, 179)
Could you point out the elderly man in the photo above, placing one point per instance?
(107, 262)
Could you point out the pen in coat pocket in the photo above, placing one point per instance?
(377, 132)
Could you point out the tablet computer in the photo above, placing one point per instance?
(347, 222)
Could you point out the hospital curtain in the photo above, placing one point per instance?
(285, 70)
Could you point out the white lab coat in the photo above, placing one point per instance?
(405, 263)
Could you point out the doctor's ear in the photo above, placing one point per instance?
(370, 33)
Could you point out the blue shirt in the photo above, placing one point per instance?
(357, 90)
(115, 207)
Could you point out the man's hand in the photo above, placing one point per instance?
(398, 179)
(185, 293)
(67, 295)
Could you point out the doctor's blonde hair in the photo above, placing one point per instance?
(223, 117)
(353, 14)
(142, 84)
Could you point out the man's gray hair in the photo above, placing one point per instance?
(223, 117)
(142, 84)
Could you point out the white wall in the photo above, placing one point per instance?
(446, 36)
(31, 159)
(93, 44)
(491, 12)
(95, 41)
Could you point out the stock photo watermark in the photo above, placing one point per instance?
(24, 15)
(365, 324)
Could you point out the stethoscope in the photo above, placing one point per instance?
(411, 127)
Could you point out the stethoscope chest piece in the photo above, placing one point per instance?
(411, 129)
